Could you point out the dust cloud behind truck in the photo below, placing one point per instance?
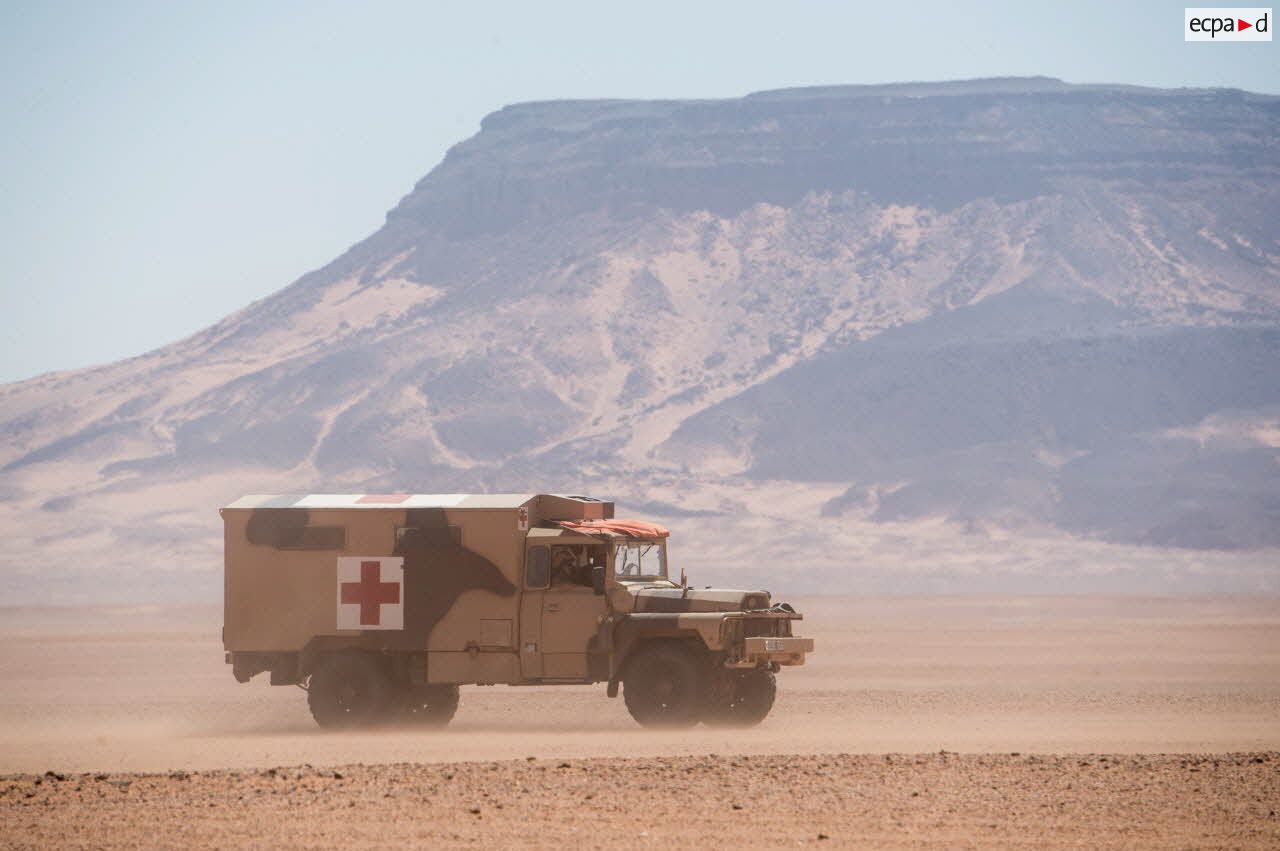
(382, 605)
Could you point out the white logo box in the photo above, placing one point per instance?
(1210, 23)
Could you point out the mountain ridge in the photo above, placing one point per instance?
(598, 305)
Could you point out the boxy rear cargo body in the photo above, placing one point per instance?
(383, 604)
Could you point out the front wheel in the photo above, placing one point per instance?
(661, 687)
(350, 690)
(743, 699)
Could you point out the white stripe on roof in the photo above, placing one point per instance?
(360, 500)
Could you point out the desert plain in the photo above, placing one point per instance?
(918, 722)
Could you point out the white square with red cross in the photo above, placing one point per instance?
(370, 592)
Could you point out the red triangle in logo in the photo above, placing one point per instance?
(1243, 25)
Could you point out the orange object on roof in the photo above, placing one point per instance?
(629, 528)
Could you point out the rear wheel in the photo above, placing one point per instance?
(350, 690)
(431, 705)
(661, 687)
(742, 698)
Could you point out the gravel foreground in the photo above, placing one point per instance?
(931, 800)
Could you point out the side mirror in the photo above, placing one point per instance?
(597, 579)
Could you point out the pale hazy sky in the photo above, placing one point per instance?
(163, 164)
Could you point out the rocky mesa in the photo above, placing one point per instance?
(990, 334)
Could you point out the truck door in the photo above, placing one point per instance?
(537, 578)
(568, 615)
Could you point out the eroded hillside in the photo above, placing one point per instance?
(1020, 328)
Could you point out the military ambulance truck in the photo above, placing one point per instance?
(382, 605)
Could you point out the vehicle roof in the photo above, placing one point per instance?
(616, 528)
(383, 500)
(556, 535)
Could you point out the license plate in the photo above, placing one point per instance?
(773, 644)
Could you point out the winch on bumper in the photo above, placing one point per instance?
(758, 639)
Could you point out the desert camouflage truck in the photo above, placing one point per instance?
(382, 605)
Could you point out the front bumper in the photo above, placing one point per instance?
(765, 650)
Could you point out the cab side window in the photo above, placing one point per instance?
(537, 568)
(311, 538)
(424, 536)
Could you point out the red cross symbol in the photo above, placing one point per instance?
(370, 592)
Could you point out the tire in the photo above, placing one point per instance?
(743, 698)
(350, 690)
(662, 687)
(431, 705)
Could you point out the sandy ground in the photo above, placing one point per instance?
(938, 800)
(120, 691)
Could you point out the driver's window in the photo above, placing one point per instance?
(537, 569)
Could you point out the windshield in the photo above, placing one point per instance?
(640, 560)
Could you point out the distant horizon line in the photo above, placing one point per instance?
(961, 85)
